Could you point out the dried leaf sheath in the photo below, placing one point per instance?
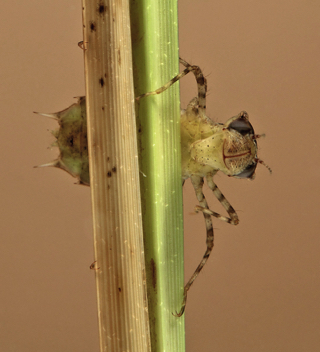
(114, 177)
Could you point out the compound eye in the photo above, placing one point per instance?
(248, 172)
(241, 125)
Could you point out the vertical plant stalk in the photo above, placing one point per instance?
(154, 26)
(114, 177)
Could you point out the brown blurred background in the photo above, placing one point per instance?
(260, 289)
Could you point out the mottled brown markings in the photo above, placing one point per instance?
(109, 174)
(221, 198)
(114, 169)
(200, 80)
(92, 26)
(102, 8)
(119, 57)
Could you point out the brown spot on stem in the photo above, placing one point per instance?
(92, 26)
(102, 8)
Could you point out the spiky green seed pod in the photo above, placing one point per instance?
(72, 141)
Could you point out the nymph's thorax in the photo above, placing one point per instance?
(194, 129)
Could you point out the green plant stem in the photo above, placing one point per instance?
(154, 26)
